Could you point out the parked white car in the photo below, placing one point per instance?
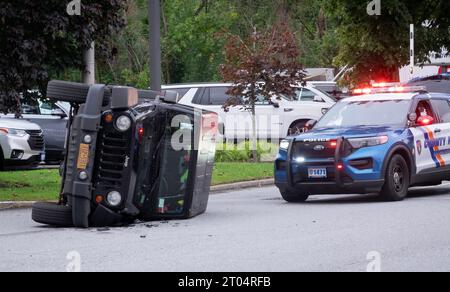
(21, 143)
(276, 120)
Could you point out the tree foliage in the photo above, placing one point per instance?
(376, 46)
(39, 39)
(261, 66)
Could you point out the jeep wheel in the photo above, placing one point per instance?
(52, 214)
(397, 181)
(292, 197)
(297, 129)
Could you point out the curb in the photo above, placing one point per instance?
(15, 205)
(214, 190)
(242, 185)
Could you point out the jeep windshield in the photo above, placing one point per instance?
(366, 113)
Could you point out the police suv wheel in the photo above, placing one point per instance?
(52, 214)
(397, 181)
(292, 197)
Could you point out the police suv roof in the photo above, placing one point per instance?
(394, 96)
(383, 96)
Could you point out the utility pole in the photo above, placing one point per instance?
(89, 65)
(411, 54)
(154, 20)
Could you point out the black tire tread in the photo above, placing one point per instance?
(291, 197)
(387, 193)
(71, 92)
(52, 214)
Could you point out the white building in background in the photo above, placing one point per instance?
(436, 66)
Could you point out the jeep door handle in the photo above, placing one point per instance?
(287, 110)
(437, 131)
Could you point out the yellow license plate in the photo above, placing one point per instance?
(83, 156)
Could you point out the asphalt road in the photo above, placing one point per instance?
(249, 230)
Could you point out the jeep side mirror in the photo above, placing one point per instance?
(276, 104)
(171, 97)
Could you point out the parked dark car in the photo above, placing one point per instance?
(130, 155)
(436, 83)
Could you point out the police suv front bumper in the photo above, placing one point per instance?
(293, 176)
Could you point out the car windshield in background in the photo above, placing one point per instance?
(366, 113)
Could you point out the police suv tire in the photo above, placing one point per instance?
(52, 214)
(397, 180)
(292, 197)
(71, 92)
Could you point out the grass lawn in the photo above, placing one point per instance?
(35, 185)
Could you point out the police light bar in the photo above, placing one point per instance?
(393, 89)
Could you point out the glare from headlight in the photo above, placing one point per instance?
(300, 159)
(284, 145)
(114, 198)
(123, 123)
(368, 142)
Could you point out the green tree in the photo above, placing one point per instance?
(40, 39)
(376, 46)
(261, 66)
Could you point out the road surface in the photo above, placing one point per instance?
(250, 230)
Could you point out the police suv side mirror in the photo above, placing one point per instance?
(412, 117)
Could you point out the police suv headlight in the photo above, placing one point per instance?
(284, 145)
(123, 123)
(114, 198)
(368, 142)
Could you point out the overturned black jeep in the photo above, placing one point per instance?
(130, 154)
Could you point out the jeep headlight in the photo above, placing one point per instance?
(114, 198)
(358, 143)
(284, 145)
(123, 123)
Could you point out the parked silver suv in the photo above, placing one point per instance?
(21, 143)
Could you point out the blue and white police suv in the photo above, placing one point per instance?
(385, 142)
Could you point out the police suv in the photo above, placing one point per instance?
(383, 141)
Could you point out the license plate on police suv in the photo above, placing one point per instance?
(317, 173)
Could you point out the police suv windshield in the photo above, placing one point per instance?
(366, 113)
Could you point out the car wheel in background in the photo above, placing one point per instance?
(292, 197)
(297, 128)
(397, 180)
(52, 214)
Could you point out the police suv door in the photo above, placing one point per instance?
(430, 138)
(441, 107)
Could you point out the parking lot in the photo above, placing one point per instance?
(250, 230)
